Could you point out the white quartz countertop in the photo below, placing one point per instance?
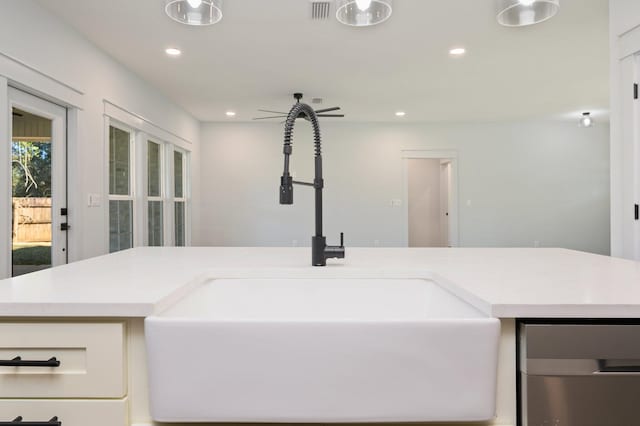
(505, 283)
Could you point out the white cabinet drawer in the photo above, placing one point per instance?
(69, 412)
(91, 359)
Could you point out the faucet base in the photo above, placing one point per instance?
(317, 251)
(320, 251)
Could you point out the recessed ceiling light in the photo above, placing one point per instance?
(400, 114)
(172, 51)
(457, 51)
(230, 113)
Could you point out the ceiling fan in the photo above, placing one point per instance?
(298, 97)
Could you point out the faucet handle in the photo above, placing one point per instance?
(342, 239)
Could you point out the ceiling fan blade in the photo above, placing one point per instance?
(320, 111)
(330, 115)
(268, 118)
(273, 112)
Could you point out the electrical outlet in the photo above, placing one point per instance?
(376, 243)
(536, 243)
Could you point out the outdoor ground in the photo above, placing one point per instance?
(30, 257)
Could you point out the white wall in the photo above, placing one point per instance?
(518, 183)
(423, 180)
(624, 38)
(37, 49)
(624, 15)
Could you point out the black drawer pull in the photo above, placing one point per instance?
(19, 362)
(18, 422)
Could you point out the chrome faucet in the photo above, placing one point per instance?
(320, 251)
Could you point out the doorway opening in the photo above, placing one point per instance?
(30, 192)
(38, 184)
(430, 191)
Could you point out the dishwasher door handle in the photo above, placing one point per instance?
(618, 367)
(581, 367)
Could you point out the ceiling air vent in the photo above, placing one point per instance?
(320, 9)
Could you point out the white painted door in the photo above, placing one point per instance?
(38, 157)
(635, 150)
(424, 202)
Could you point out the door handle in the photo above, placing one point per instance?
(18, 422)
(19, 362)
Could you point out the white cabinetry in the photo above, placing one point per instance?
(73, 371)
(69, 412)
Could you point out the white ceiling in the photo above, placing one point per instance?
(264, 50)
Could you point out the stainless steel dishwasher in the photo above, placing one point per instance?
(579, 374)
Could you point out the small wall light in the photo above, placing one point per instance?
(586, 120)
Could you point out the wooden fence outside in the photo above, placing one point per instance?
(31, 220)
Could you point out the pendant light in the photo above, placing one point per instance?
(520, 13)
(194, 12)
(363, 13)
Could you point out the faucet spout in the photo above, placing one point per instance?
(320, 252)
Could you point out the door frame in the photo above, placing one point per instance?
(15, 73)
(448, 155)
(58, 115)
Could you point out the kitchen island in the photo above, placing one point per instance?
(111, 295)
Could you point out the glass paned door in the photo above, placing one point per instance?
(38, 183)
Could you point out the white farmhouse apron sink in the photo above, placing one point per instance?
(321, 350)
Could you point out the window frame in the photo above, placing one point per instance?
(186, 194)
(163, 197)
(139, 181)
(132, 181)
